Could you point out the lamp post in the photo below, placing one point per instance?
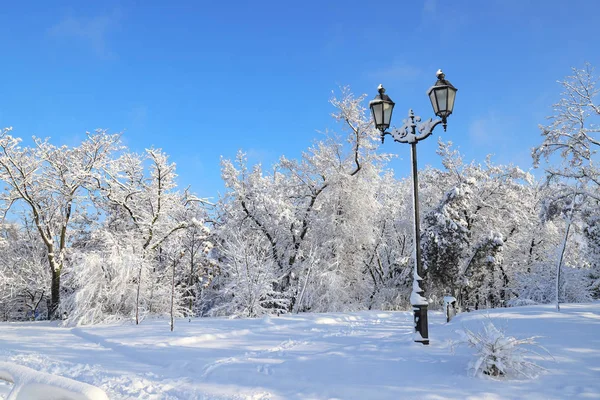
(442, 95)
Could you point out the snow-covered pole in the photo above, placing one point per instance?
(417, 298)
(562, 250)
(442, 95)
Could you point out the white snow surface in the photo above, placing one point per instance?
(31, 384)
(361, 355)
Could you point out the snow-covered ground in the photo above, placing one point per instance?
(363, 355)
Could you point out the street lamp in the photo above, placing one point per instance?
(442, 95)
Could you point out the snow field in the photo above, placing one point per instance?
(362, 355)
(32, 384)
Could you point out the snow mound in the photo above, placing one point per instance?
(30, 384)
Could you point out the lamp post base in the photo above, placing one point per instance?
(421, 325)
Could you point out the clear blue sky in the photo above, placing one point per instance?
(203, 79)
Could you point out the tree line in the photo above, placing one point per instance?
(97, 233)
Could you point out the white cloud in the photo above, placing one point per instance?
(492, 130)
(259, 155)
(138, 116)
(442, 17)
(429, 6)
(93, 32)
(397, 71)
(482, 130)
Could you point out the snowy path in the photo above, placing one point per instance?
(364, 355)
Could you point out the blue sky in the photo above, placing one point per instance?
(204, 79)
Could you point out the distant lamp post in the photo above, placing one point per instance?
(442, 95)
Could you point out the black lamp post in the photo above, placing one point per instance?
(442, 95)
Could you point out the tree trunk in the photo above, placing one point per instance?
(304, 288)
(137, 297)
(173, 295)
(560, 261)
(562, 252)
(190, 290)
(54, 295)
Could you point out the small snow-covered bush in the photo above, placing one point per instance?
(499, 355)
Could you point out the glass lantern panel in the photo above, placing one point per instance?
(377, 110)
(387, 114)
(442, 99)
(451, 97)
(433, 102)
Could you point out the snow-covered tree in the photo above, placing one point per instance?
(386, 255)
(591, 233)
(484, 216)
(444, 241)
(132, 261)
(574, 133)
(570, 147)
(102, 280)
(198, 268)
(247, 277)
(313, 206)
(51, 183)
(24, 281)
(145, 209)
